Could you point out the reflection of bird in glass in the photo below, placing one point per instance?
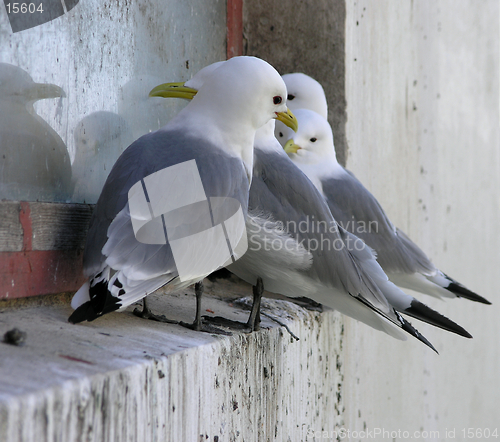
(100, 138)
(142, 113)
(34, 161)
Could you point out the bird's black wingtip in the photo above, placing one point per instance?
(463, 292)
(101, 302)
(419, 310)
(407, 327)
(83, 313)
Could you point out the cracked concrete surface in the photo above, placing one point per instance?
(125, 378)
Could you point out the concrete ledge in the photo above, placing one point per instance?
(122, 378)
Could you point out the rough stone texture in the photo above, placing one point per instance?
(11, 231)
(423, 135)
(127, 379)
(303, 36)
(59, 226)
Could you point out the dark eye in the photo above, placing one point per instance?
(313, 140)
(290, 97)
(277, 99)
(281, 134)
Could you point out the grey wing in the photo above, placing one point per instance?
(222, 176)
(358, 211)
(280, 188)
(340, 260)
(123, 270)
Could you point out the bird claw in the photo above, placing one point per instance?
(234, 325)
(147, 314)
(207, 328)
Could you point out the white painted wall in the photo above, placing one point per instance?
(107, 56)
(423, 134)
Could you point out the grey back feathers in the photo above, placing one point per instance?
(358, 211)
(221, 175)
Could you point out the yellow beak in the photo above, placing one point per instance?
(288, 119)
(173, 90)
(291, 147)
(178, 90)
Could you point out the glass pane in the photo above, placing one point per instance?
(74, 89)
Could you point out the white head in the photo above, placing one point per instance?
(229, 102)
(313, 142)
(243, 91)
(199, 78)
(305, 92)
(259, 76)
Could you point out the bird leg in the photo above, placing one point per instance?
(198, 290)
(146, 313)
(253, 323)
(254, 319)
(198, 324)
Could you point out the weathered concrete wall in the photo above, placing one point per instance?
(303, 36)
(423, 134)
(122, 378)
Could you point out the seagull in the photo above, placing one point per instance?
(358, 211)
(34, 161)
(296, 248)
(304, 92)
(201, 157)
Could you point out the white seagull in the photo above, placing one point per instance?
(216, 133)
(358, 211)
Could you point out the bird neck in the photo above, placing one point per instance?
(234, 139)
(319, 171)
(265, 140)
